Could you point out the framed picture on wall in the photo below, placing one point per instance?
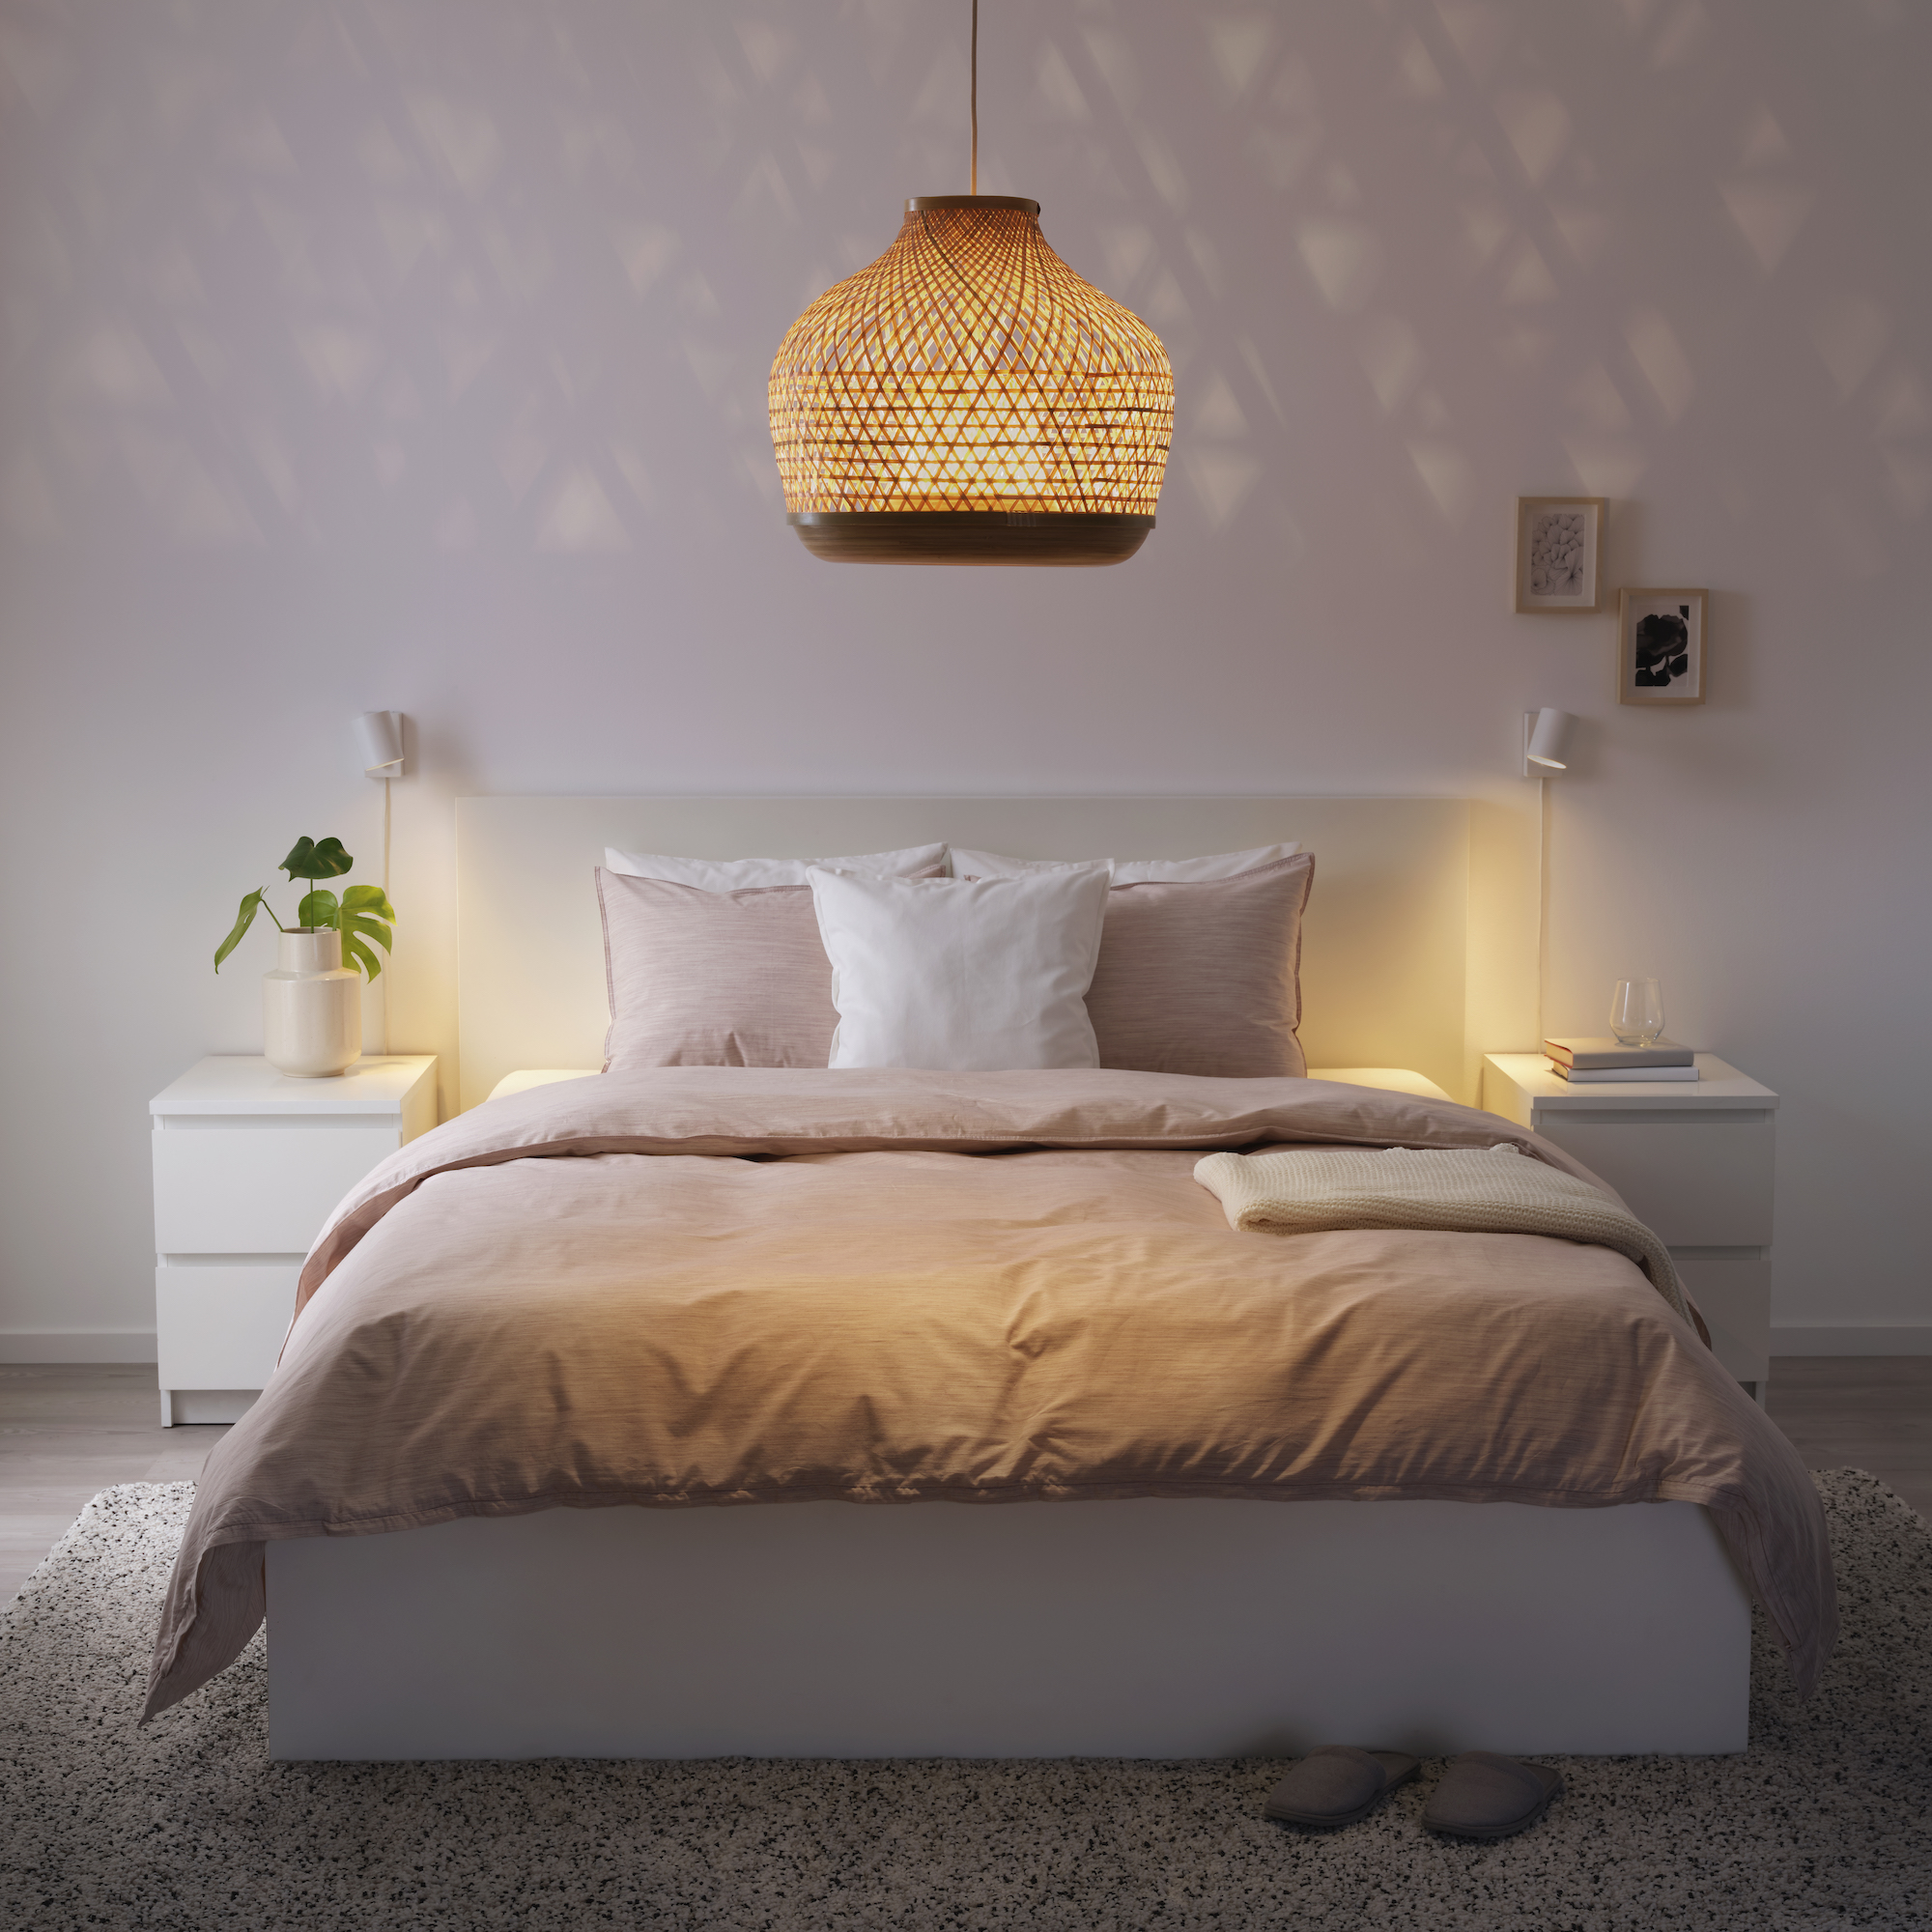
(1662, 646)
(1558, 540)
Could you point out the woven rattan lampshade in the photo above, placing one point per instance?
(970, 399)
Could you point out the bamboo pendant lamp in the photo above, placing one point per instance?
(970, 399)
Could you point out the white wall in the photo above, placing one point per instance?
(413, 354)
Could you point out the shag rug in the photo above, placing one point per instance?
(1824, 1821)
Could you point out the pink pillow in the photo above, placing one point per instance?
(700, 978)
(1205, 975)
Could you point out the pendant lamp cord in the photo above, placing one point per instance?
(973, 97)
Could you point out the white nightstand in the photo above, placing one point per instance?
(248, 1166)
(1694, 1160)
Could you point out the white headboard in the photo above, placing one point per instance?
(1386, 952)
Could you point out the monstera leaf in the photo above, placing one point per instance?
(251, 904)
(311, 862)
(317, 909)
(362, 915)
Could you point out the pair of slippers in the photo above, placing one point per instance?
(1481, 1796)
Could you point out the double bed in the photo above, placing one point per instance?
(698, 1409)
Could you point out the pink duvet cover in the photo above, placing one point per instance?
(693, 1287)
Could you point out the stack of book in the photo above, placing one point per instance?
(1583, 1061)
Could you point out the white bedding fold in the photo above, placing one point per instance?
(1468, 1190)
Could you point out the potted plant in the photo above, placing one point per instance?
(311, 1002)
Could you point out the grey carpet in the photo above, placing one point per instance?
(1824, 1821)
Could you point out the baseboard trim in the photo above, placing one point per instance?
(1852, 1338)
(77, 1345)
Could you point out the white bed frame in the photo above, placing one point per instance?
(1144, 1629)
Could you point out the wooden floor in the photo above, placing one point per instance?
(66, 1432)
(1860, 1413)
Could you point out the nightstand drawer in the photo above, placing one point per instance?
(223, 1328)
(1733, 1295)
(1699, 1183)
(256, 1189)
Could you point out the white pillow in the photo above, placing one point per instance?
(733, 875)
(1126, 872)
(964, 974)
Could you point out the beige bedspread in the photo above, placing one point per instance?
(698, 1286)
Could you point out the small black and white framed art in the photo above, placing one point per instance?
(1558, 539)
(1662, 646)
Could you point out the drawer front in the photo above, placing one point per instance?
(221, 1327)
(256, 1190)
(1734, 1297)
(1699, 1183)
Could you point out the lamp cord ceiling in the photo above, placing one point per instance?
(973, 99)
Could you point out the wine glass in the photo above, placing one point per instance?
(1637, 1011)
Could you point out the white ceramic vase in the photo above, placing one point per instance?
(312, 1007)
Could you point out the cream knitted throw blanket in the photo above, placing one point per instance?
(1467, 1190)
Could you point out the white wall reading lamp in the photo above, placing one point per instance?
(1546, 743)
(1545, 755)
(379, 737)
